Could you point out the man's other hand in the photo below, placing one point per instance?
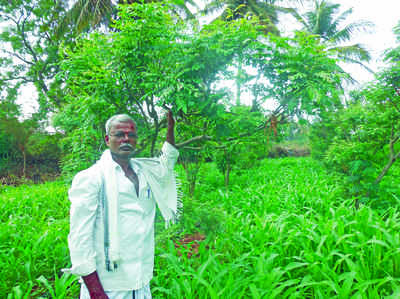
(94, 286)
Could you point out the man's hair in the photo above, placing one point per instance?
(118, 118)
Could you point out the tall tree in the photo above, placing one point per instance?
(326, 22)
(29, 49)
(267, 14)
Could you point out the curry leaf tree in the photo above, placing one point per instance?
(151, 60)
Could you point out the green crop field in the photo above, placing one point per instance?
(282, 230)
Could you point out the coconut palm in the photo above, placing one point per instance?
(266, 10)
(326, 22)
(235, 9)
(86, 14)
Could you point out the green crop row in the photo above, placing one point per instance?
(33, 241)
(282, 230)
(285, 232)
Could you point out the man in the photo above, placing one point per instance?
(111, 238)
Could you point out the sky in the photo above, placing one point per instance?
(385, 14)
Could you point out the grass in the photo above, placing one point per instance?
(33, 241)
(282, 230)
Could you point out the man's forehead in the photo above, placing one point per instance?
(123, 125)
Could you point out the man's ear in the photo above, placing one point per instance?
(107, 139)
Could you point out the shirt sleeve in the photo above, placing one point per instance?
(169, 156)
(83, 195)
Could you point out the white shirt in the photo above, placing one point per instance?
(136, 226)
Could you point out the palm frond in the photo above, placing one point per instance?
(349, 30)
(91, 13)
(264, 11)
(396, 31)
(349, 60)
(320, 20)
(343, 16)
(392, 55)
(180, 8)
(353, 54)
(213, 7)
(84, 14)
(295, 14)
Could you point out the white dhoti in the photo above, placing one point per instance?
(143, 293)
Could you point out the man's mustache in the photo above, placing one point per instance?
(127, 145)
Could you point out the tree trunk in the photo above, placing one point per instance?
(393, 156)
(239, 80)
(357, 203)
(191, 168)
(192, 186)
(153, 141)
(386, 168)
(227, 169)
(191, 173)
(24, 167)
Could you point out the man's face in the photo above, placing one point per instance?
(122, 139)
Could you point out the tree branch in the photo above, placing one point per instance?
(9, 18)
(19, 57)
(394, 104)
(208, 138)
(132, 97)
(193, 148)
(15, 78)
(27, 45)
(259, 128)
(194, 139)
(393, 140)
(393, 156)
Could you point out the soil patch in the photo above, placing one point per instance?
(189, 244)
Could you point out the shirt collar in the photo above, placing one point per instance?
(135, 166)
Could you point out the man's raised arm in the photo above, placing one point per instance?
(171, 127)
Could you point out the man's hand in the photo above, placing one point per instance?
(94, 286)
(171, 126)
